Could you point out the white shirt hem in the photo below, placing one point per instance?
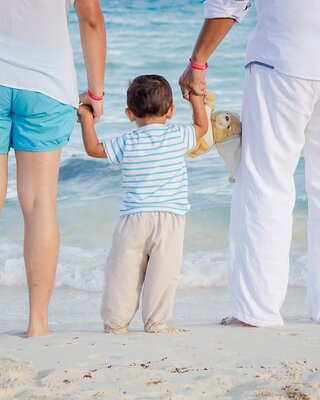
(60, 100)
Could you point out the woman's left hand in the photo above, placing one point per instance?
(97, 106)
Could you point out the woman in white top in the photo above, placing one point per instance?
(281, 117)
(38, 101)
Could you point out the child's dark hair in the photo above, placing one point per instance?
(149, 95)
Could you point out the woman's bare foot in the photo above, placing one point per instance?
(234, 321)
(38, 332)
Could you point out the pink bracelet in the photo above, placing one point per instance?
(197, 66)
(94, 97)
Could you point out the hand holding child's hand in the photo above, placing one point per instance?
(97, 106)
(192, 81)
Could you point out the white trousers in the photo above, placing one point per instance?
(146, 252)
(281, 117)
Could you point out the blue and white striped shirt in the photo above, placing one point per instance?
(153, 167)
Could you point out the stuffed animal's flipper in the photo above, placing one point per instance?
(200, 148)
(209, 100)
(230, 151)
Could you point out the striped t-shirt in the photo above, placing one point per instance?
(153, 167)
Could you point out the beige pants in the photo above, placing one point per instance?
(146, 250)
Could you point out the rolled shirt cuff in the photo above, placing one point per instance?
(219, 9)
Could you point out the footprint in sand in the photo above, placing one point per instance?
(285, 333)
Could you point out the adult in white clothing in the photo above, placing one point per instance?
(38, 101)
(281, 117)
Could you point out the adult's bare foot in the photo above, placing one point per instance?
(234, 321)
(35, 331)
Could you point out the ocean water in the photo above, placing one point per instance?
(146, 36)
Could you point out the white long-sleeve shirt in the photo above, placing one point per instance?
(286, 37)
(35, 48)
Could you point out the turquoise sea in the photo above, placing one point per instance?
(146, 36)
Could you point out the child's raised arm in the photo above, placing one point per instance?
(200, 120)
(90, 140)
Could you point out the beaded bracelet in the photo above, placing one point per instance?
(197, 66)
(94, 97)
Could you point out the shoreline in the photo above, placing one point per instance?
(80, 361)
(73, 309)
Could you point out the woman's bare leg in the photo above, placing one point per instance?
(37, 181)
(3, 178)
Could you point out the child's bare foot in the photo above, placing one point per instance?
(234, 321)
(116, 331)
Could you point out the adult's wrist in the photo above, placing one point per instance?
(96, 95)
(199, 67)
(199, 57)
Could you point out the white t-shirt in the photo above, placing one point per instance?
(286, 37)
(35, 48)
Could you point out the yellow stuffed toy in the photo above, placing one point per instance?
(224, 130)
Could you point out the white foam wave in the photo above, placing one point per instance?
(84, 269)
(204, 269)
(208, 190)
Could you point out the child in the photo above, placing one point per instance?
(147, 243)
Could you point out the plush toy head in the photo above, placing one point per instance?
(225, 125)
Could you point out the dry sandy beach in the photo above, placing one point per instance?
(79, 361)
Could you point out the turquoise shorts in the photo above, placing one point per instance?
(31, 121)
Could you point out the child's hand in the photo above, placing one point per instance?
(85, 112)
(89, 135)
(194, 98)
(200, 119)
